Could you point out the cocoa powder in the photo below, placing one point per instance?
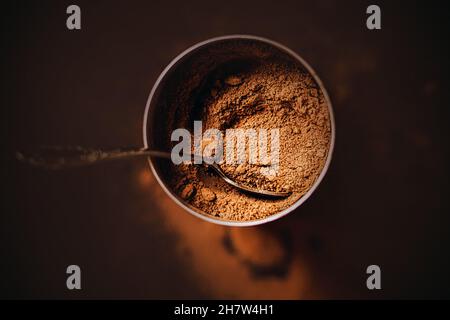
(266, 93)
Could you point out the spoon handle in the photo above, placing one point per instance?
(63, 157)
(67, 157)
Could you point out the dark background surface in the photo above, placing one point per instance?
(383, 201)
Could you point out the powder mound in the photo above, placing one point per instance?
(270, 93)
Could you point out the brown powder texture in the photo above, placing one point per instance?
(265, 93)
(269, 96)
